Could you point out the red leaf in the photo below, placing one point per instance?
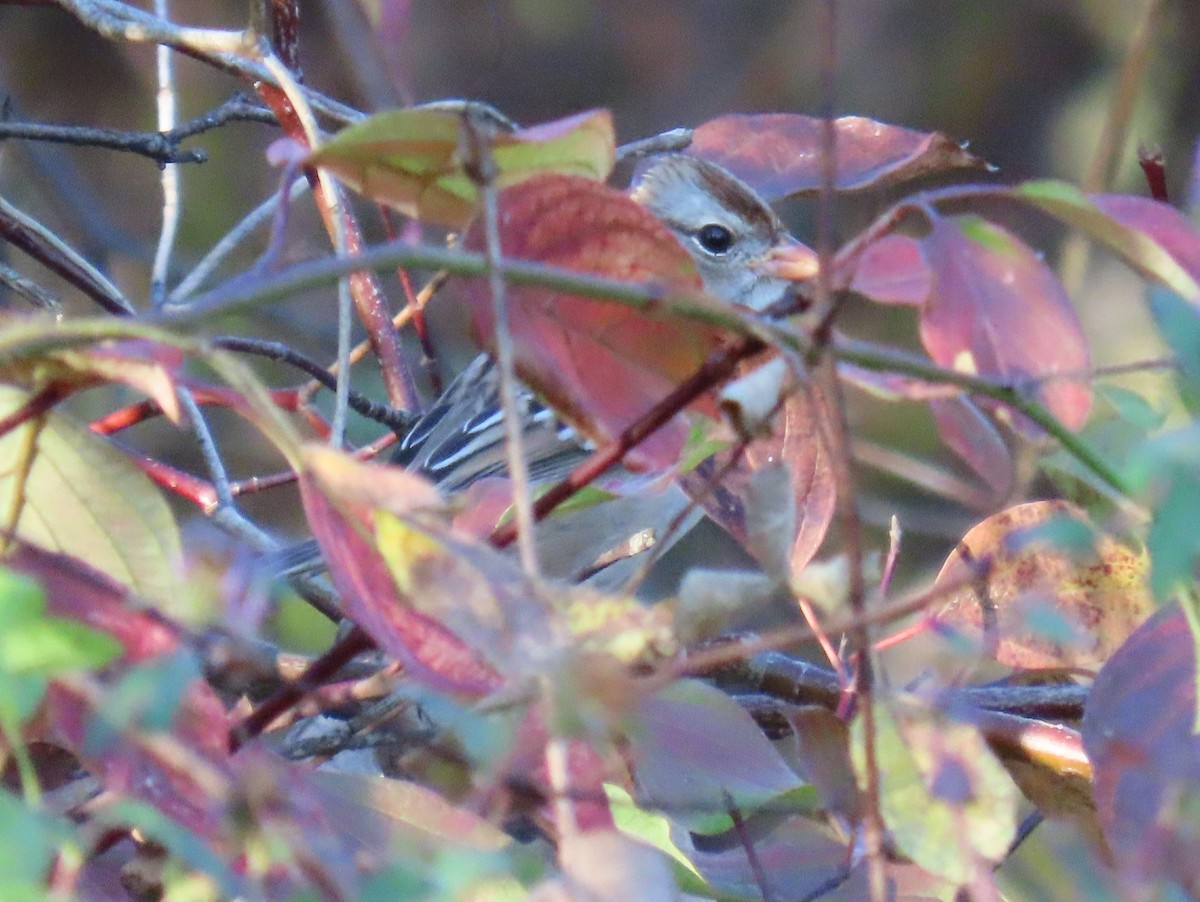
(176, 776)
(970, 433)
(798, 441)
(1162, 222)
(183, 774)
(142, 365)
(1139, 732)
(779, 153)
(586, 772)
(428, 651)
(600, 364)
(892, 271)
(76, 591)
(996, 309)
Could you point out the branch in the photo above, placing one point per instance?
(396, 420)
(158, 146)
(318, 273)
(224, 50)
(21, 230)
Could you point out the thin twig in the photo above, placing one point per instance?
(236, 109)
(322, 272)
(165, 111)
(838, 447)
(483, 169)
(231, 240)
(335, 219)
(396, 420)
(360, 290)
(217, 473)
(674, 140)
(714, 370)
(226, 50)
(154, 145)
(23, 231)
(30, 290)
(747, 842)
(353, 643)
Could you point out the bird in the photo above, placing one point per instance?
(744, 255)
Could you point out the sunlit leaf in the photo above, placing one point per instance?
(481, 596)
(1045, 605)
(1152, 237)
(430, 652)
(88, 500)
(780, 153)
(413, 159)
(654, 829)
(945, 798)
(147, 367)
(997, 310)
(601, 365)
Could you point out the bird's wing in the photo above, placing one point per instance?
(461, 437)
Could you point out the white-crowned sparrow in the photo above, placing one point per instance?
(743, 254)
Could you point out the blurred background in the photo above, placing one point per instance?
(1027, 82)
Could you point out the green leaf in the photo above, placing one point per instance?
(20, 695)
(943, 795)
(146, 698)
(1131, 408)
(1179, 326)
(396, 884)
(654, 830)
(28, 842)
(1168, 467)
(21, 598)
(87, 500)
(52, 645)
(413, 159)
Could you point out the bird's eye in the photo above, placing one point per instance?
(716, 239)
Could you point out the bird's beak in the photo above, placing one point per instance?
(789, 260)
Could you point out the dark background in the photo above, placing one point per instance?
(1026, 82)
